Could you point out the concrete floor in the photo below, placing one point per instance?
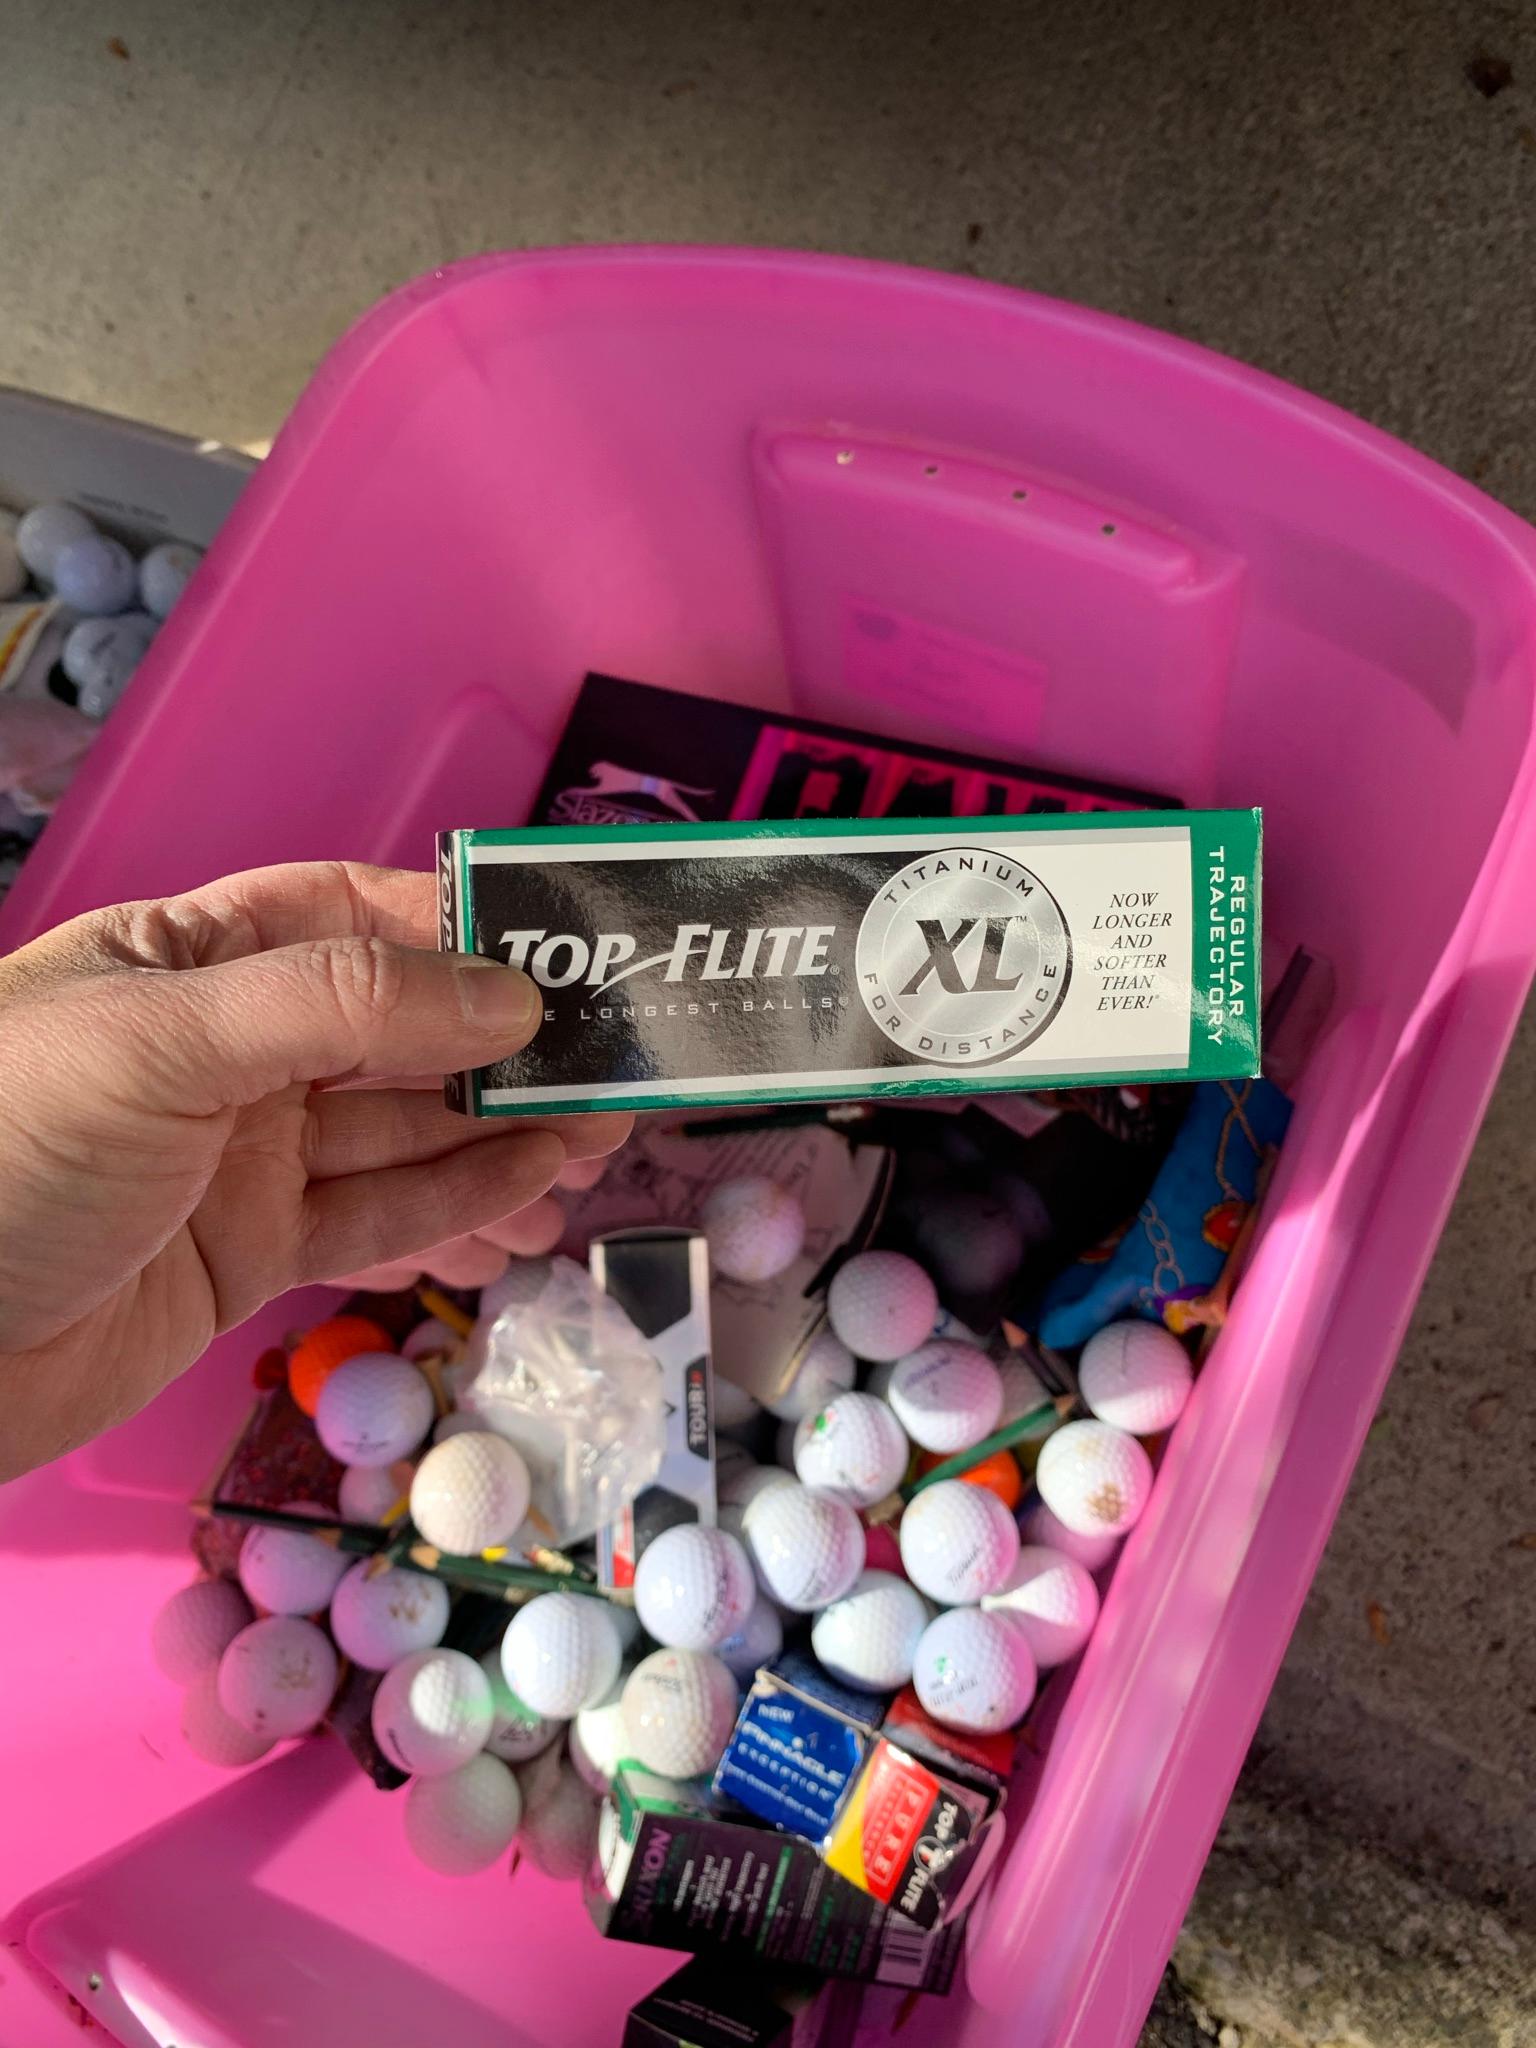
(199, 197)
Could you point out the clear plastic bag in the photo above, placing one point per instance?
(563, 1373)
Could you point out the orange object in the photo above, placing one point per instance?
(329, 1344)
(999, 1474)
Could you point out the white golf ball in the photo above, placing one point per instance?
(196, 1626)
(165, 573)
(735, 1409)
(463, 1820)
(430, 1339)
(597, 1740)
(277, 1677)
(1023, 1392)
(806, 1548)
(1135, 1375)
(679, 1710)
(470, 1492)
(743, 1486)
(693, 1587)
(1094, 1478)
(368, 1492)
(946, 1396)
(828, 1367)
(854, 1448)
(95, 575)
(374, 1409)
(882, 1304)
(870, 1636)
(1052, 1599)
(378, 1617)
(13, 570)
(754, 1228)
(213, 1734)
(100, 656)
(45, 531)
(958, 1542)
(517, 1734)
(1039, 1526)
(559, 1831)
(561, 1653)
(756, 1643)
(287, 1572)
(974, 1670)
(432, 1712)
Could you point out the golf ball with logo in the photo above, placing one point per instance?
(826, 1368)
(756, 1643)
(100, 655)
(470, 1492)
(561, 1653)
(958, 1542)
(754, 1228)
(854, 1448)
(597, 1738)
(212, 1733)
(378, 1617)
(369, 1492)
(1039, 1526)
(806, 1548)
(517, 1734)
(432, 1712)
(693, 1587)
(463, 1820)
(559, 1831)
(1135, 1375)
(679, 1710)
(1052, 1599)
(373, 1409)
(881, 1304)
(196, 1626)
(870, 1636)
(1094, 1478)
(277, 1676)
(974, 1670)
(946, 1396)
(288, 1572)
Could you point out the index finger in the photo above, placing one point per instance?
(264, 908)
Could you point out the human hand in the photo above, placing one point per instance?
(212, 1098)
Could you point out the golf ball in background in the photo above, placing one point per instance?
(367, 1493)
(732, 1461)
(870, 1636)
(432, 1712)
(1052, 1598)
(881, 1304)
(287, 1572)
(743, 1486)
(1023, 1392)
(196, 1626)
(735, 1409)
(522, 1283)
(470, 1492)
(378, 1617)
(806, 1548)
(517, 1734)
(754, 1228)
(974, 1670)
(430, 1339)
(561, 1653)
(374, 1409)
(972, 1242)
(854, 1448)
(679, 1710)
(463, 1820)
(13, 570)
(597, 1740)
(213, 1734)
(278, 1676)
(100, 656)
(693, 1587)
(329, 1344)
(1136, 1376)
(946, 1396)
(1094, 1478)
(958, 1542)
(828, 1367)
(1037, 1525)
(45, 531)
(756, 1643)
(559, 1831)
(165, 573)
(95, 575)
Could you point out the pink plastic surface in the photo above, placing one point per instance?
(949, 512)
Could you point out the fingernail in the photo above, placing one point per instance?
(499, 1000)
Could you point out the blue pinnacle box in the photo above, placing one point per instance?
(799, 1743)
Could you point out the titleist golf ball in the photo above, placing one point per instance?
(974, 1670)
(679, 1710)
(1052, 1599)
(870, 1636)
(432, 1712)
(378, 1617)
(946, 1396)
(826, 1368)
(756, 1643)
(470, 1492)
(958, 1542)
(753, 1227)
(374, 1408)
(806, 1548)
(196, 1626)
(561, 1653)
(517, 1734)
(214, 1734)
(1039, 1526)
(1136, 1376)
(854, 1448)
(278, 1676)
(288, 1572)
(463, 1820)
(881, 1304)
(693, 1587)
(1094, 1478)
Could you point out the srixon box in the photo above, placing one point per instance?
(684, 965)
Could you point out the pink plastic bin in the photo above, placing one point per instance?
(949, 512)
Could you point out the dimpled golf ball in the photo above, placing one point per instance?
(597, 1740)
(288, 1572)
(1023, 1391)
(517, 1734)
(958, 1542)
(378, 1617)
(827, 1367)
(1053, 1599)
(679, 1710)
(45, 531)
(853, 1448)
(165, 573)
(946, 1396)
(1039, 1526)
(374, 1409)
(1136, 1376)
(95, 575)
(196, 1626)
(100, 656)
(974, 1670)
(213, 1734)
(756, 1643)
(561, 1653)
(470, 1492)
(1094, 1478)
(432, 1712)
(754, 1228)
(744, 1485)
(870, 1636)
(277, 1677)
(693, 1587)
(559, 1831)
(431, 1339)
(368, 1493)
(463, 1820)
(806, 1548)
(881, 1304)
